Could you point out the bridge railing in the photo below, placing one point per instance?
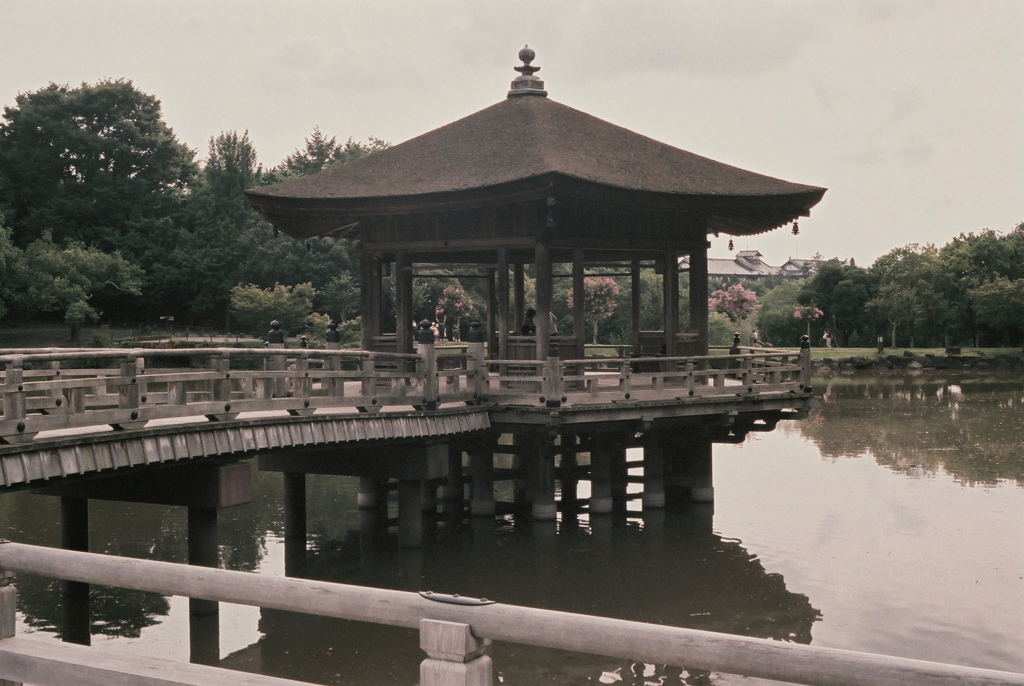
(124, 389)
(455, 632)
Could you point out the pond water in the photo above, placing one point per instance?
(890, 521)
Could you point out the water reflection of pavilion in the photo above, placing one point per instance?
(668, 569)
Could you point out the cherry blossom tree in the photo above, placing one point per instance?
(807, 313)
(599, 294)
(736, 302)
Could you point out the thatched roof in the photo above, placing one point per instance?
(533, 137)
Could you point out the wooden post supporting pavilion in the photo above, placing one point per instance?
(579, 325)
(699, 297)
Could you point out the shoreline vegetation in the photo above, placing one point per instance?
(915, 360)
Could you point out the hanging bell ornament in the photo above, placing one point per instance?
(730, 245)
(796, 229)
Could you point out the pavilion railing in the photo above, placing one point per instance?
(455, 632)
(604, 379)
(55, 389)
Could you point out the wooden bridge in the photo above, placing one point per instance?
(75, 412)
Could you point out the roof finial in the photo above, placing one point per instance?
(527, 83)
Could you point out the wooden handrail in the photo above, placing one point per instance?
(752, 657)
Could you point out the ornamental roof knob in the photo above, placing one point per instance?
(527, 83)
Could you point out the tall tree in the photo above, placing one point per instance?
(94, 164)
(65, 279)
(842, 292)
(321, 152)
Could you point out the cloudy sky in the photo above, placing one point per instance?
(911, 112)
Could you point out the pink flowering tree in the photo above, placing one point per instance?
(736, 302)
(455, 303)
(807, 313)
(599, 294)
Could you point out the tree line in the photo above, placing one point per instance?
(106, 216)
(103, 212)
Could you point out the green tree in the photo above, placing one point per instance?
(842, 291)
(65, 279)
(911, 289)
(10, 267)
(94, 164)
(970, 260)
(321, 152)
(253, 308)
(775, 320)
(897, 304)
(999, 305)
(194, 279)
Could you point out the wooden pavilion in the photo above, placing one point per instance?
(531, 181)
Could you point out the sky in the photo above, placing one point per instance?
(911, 112)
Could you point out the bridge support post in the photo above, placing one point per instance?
(600, 479)
(294, 522)
(453, 492)
(74, 535)
(481, 464)
(410, 513)
(543, 507)
(703, 490)
(654, 472)
(455, 656)
(368, 497)
(618, 474)
(567, 465)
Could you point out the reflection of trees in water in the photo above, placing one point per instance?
(677, 573)
(970, 427)
(153, 532)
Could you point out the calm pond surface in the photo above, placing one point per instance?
(890, 521)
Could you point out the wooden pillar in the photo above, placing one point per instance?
(634, 299)
(455, 657)
(579, 324)
(600, 478)
(74, 535)
(703, 490)
(543, 506)
(619, 474)
(367, 304)
(453, 492)
(542, 276)
(654, 472)
(428, 497)
(410, 513)
(671, 301)
(404, 326)
(481, 464)
(504, 324)
(369, 492)
(491, 319)
(519, 296)
(699, 297)
(567, 464)
(294, 523)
